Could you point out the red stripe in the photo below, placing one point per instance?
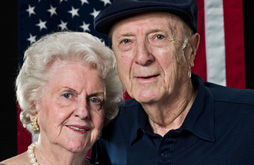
(24, 137)
(200, 59)
(234, 43)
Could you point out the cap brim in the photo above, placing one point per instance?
(104, 24)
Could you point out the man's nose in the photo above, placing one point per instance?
(144, 54)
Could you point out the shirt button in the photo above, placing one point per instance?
(164, 155)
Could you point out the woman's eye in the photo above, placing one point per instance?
(68, 95)
(95, 100)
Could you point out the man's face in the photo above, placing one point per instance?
(152, 61)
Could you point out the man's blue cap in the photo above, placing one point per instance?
(121, 9)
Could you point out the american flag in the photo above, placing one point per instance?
(40, 17)
(220, 58)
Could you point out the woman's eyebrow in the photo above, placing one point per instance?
(66, 88)
(97, 94)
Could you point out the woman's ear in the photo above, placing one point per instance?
(36, 106)
(194, 43)
(34, 122)
(34, 117)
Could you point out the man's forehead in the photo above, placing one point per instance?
(151, 20)
(121, 9)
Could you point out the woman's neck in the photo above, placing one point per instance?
(48, 154)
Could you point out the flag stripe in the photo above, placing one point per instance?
(234, 37)
(215, 41)
(23, 136)
(200, 59)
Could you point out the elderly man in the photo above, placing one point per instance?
(175, 117)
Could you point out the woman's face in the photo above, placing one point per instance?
(70, 114)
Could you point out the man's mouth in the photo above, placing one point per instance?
(148, 77)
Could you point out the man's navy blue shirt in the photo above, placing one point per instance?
(218, 130)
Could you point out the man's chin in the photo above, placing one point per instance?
(146, 98)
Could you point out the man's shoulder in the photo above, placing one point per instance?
(128, 113)
(231, 95)
(130, 103)
(128, 108)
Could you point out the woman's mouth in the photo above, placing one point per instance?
(78, 128)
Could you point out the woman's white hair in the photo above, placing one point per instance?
(65, 46)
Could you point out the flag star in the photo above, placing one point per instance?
(106, 2)
(84, 1)
(63, 25)
(74, 12)
(95, 13)
(62, 1)
(42, 24)
(52, 10)
(31, 38)
(85, 27)
(30, 10)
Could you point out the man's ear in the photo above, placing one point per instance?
(194, 43)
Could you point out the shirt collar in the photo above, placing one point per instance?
(140, 124)
(199, 121)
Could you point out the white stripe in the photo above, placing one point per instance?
(215, 41)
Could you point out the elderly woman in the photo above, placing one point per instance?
(67, 89)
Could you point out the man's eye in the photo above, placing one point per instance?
(125, 41)
(125, 44)
(160, 37)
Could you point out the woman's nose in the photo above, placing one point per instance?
(82, 109)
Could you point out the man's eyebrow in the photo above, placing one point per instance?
(155, 30)
(126, 34)
(150, 31)
(119, 37)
